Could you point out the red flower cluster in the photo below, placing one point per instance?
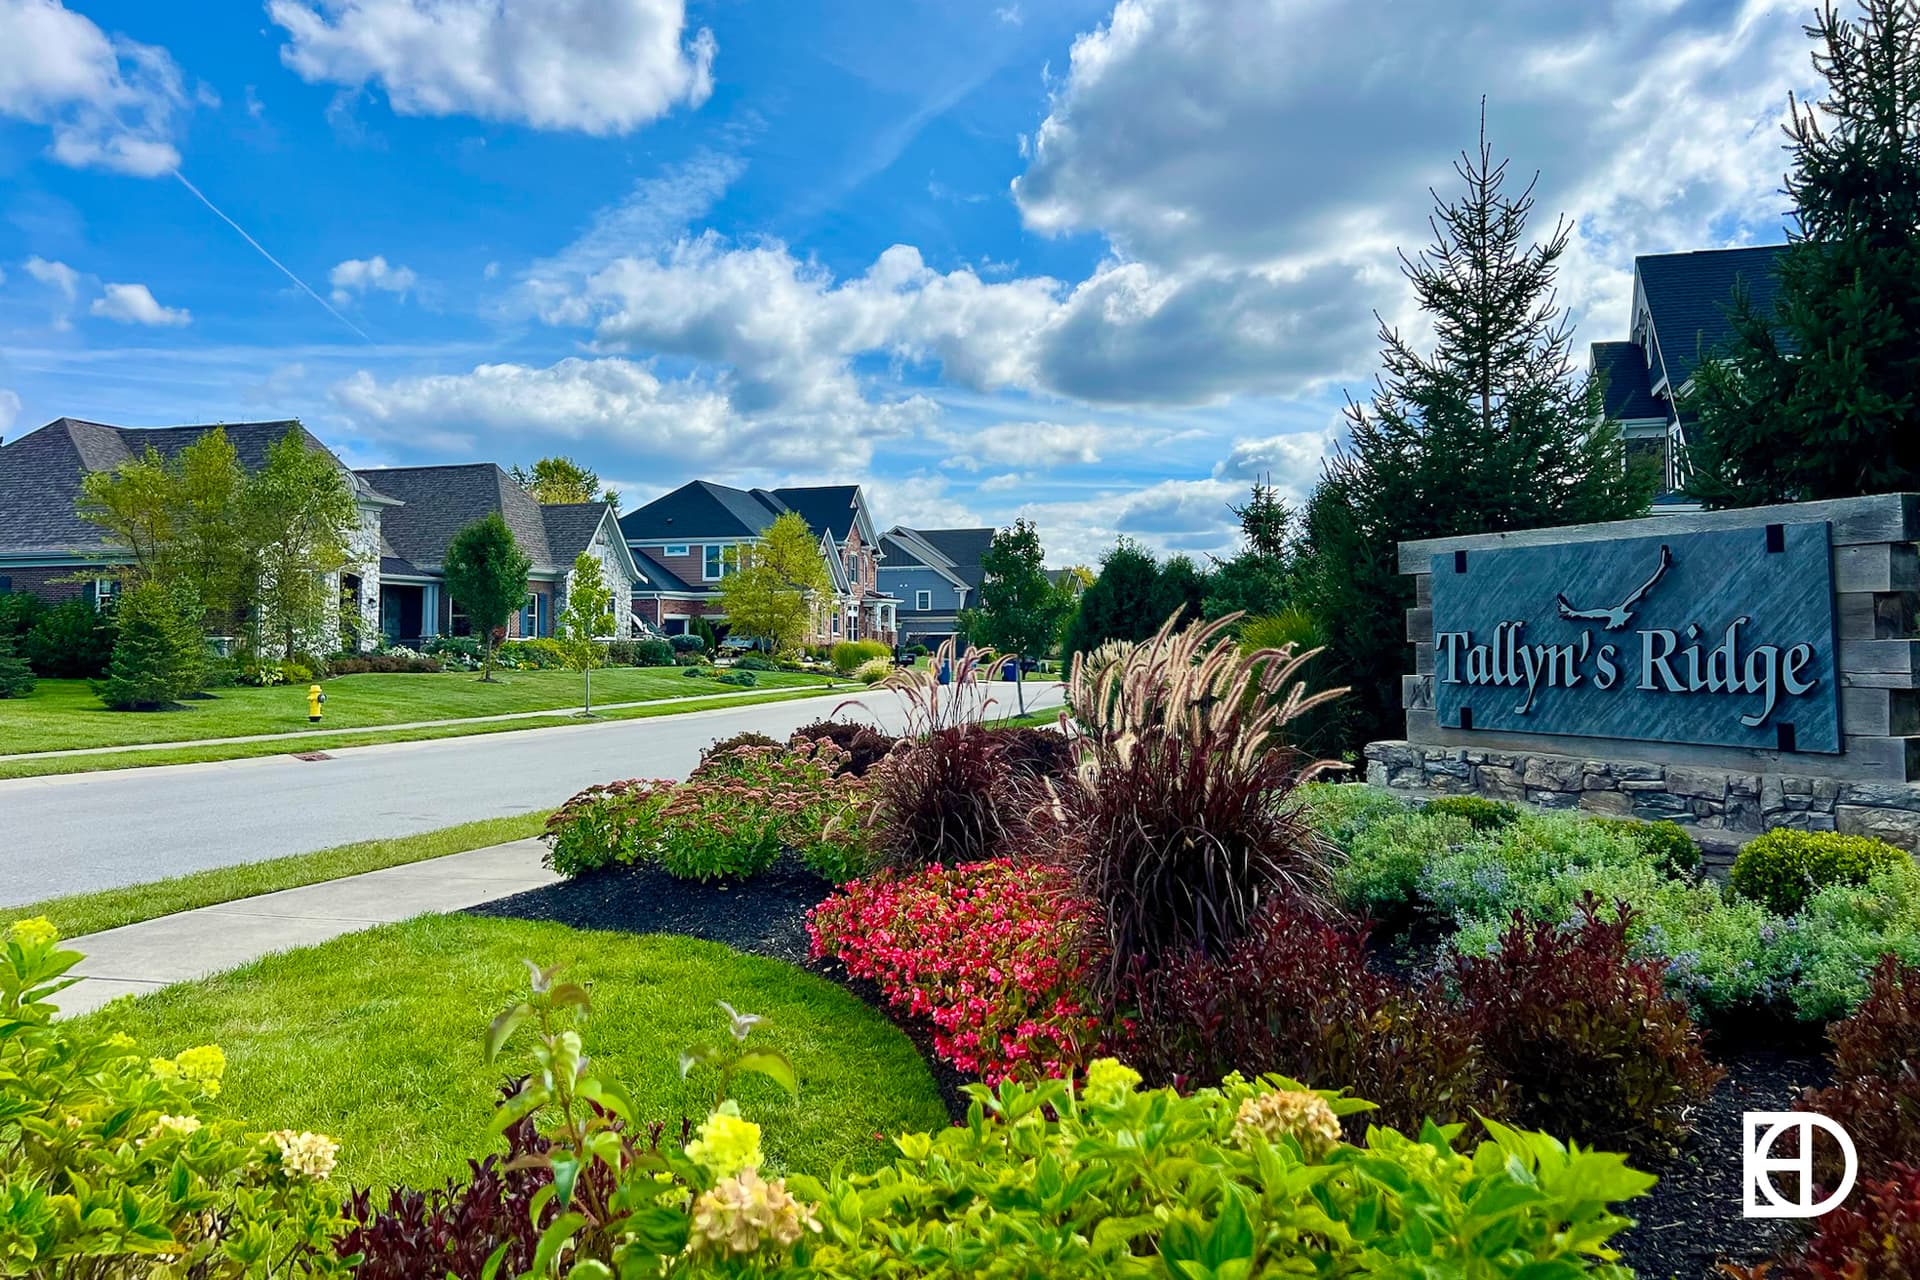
(990, 951)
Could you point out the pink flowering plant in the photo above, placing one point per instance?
(743, 805)
(615, 822)
(989, 952)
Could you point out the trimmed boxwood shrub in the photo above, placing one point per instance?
(744, 679)
(687, 644)
(652, 653)
(755, 662)
(1783, 868)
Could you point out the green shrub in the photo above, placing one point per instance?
(541, 654)
(848, 655)
(1497, 871)
(1782, 868)
(16, 677)
(620, 653)
(1380, 876)
(755, 662)
(617, 822)
(1338, 810)
(873, 670)
(652, 653)
(743, 804)
(156, 653)
(1832, 946)
(71, 640)
(689, 659)
(742, 679)
(688, 644)
(1667, 842)
(105, 1169)
(19, 612)
(1482, 813)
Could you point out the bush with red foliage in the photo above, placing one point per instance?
(1875, 1095)
(1593, 1046)
(990, 952)
(1875, 1235)
(865, 746)
(1296, 996)
(946, 799)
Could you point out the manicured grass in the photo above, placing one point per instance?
(110, 908)
(145, 757)
(63, 714)
(375, 1039)
(1033, 719)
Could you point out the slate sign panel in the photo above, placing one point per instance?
(1720, 639)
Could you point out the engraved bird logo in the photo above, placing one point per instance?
(1617, 617)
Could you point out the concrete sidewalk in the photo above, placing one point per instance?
(772, 693)
(138, 958)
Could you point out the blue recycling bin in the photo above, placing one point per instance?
(946, 673)
(1010, 669)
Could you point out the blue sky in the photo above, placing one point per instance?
(1096, 263)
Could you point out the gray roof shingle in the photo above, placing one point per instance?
(1689, 295)
(1626, 392)
(965, 547)
(438, 502)
(40, 474)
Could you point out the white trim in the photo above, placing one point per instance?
(922, 600)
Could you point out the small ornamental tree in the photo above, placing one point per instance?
(299, 518)
(770, 592)
(486, 572)
(16, 677)
(1020, 607)
(583, 621)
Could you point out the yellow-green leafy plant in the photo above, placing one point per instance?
(106, 1168)
(1783, 868)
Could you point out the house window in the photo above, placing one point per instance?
(534, 619)
(676, 550)
(716, 566)
(105, 592)
(836, 624)
(923, 600)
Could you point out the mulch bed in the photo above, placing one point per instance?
(1688, 1223)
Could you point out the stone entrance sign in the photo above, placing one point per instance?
(1729, 670)
(1722, 638)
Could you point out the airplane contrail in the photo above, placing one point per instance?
(262, 251)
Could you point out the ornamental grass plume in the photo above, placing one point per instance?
(1180, 818)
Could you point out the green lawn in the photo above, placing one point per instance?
(63, 714)
(110, 908)
(375, 1040)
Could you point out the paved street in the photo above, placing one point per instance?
(77, 832)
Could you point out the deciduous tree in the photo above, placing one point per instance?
(298, 516)
(774, 584)
(1020, 608)
(486, 572)
(561, 480)
(584, 620)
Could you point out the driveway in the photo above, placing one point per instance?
(79, 832)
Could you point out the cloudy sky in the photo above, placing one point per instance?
(1096, 263)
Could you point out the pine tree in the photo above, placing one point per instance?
(145, 672)
(1120, 603)
(1820, 398)
(1493, 430)
(16, 677)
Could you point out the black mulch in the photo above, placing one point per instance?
(766, 916)
(1687, 1224)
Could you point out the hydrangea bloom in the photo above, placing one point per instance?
(1294, 1113)
(743, 1212)
(726, 1144)
(311, 1155)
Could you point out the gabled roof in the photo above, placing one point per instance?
(1626, 392)
(898, 553)
(1688, 296)
(40, 474)
(438, 502)
(703, 509)
(963, 548)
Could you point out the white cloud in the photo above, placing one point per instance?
(1172, 515)
(55, 275)
(1291, 463)
(679, 427)
(135, 304)
(919, 502)
(109, 102)
(9, 411)
(597, 66)
(356, 276)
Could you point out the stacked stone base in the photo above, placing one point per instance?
(1722, 809)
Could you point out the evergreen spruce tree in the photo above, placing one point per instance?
(1120, 603)
(16, 677)
(1820, 397)
(1259, 579)
(1493, 430)
(144, 674)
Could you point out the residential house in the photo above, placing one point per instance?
(430, 505)
(1681, 308)
(935, 573)
(393, 578)
(684, 544)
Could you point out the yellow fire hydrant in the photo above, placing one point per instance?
(314, 698)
